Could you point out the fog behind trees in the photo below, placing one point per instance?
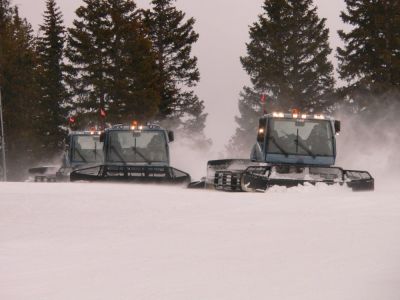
(223, 27)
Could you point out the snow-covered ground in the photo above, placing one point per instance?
(92, 241)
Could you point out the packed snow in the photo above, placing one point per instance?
(110, 241)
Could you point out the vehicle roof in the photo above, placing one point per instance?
(85, 133)
(300, 116)
(121, 127)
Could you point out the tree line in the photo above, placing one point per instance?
(288, 63)
(129, 63)
(116, 63)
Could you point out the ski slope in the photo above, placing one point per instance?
(92, 241)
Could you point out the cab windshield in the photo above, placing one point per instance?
(300, 137)
(87, 149)
(137, 147)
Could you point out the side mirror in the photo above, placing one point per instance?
(102, 137)
(171, 136)
(262, 129)
(337, 126)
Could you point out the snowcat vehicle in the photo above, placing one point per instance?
(82, 148)
(134, 153)
(291, 149)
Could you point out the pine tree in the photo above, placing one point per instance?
(111, 62)
(20, 91)
(51, 49)
(173, 38)
(5, 34)
(86, 52)
(287, 61)
(250, 111)
(287, 57)
(134, 75)
(370, 59)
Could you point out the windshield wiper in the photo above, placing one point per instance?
(81, 155)
(141, 155)
(279, 146)
(302, 146)
(118, 154)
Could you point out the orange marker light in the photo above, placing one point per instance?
(134, 125)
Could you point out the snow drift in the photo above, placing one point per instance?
(91, 241)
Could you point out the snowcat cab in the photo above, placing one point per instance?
(134, 154)
(291, 149)
(82, 148)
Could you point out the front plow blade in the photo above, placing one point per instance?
(133, 174)
(44, 174)
(359, 180)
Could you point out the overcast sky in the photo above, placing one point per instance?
(223, 27)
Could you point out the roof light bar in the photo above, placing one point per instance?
(278, 115)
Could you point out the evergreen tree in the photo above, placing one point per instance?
(134, 75)
(20, 91)
(111, 65)
(287, 57)
(250, 111)
(370, 59)
(173, 38)
(51, 49)
(5, 22)
(287, 61)
(86, 54)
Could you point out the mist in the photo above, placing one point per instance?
(367, 142)
(371, 143)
